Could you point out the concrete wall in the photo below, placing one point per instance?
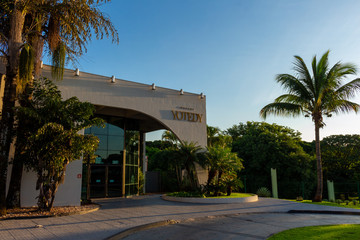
(69, 193)
(159, 104)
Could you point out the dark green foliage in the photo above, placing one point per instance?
(171, 161)
(26, 66)
(163, 161)
(341, 157)
(263, 192)
(223, 167)
(187, 194)
(58, 61)
(263, 146)
(51, 138)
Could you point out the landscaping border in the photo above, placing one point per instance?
(253, 198)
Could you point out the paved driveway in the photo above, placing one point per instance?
(120, 214)
(239, 226)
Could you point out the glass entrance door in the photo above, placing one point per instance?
(115, 171)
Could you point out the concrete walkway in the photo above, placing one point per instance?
(117, 215)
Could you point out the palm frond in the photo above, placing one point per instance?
(349, 90)
(58, 62)
(26, 67)
(343, 106)
(293, 85)
(282, 109)
(304, 74)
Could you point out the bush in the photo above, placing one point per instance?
(187, 194)
(339, 201)
(263, 192)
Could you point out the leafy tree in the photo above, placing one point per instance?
(52, 138)
(341, 157)
(317, 95)
(28, 28)
(263, 146)
(216, 137)
(170, 137)
(165, 161)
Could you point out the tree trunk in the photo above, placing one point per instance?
(7, 117)
(319, 188)
(13, 195)
(23, 126)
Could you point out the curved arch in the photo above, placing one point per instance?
(154, 109)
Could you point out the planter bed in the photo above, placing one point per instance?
(253, 198)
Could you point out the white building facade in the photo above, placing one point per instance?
(130, 110)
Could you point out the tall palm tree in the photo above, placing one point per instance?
(317, 95)
(61, 27)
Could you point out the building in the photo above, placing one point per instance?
(130, 110)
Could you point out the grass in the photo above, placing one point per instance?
(350, 205)
(330, 232)
(199, 195)
(235, 195)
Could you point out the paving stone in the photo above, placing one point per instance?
(119, 214)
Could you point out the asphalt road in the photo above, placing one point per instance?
(240, 226)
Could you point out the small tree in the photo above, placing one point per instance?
(51, 149)
(53, 139)
(187, 156)
(223, 167)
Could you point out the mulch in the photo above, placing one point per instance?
(33, 212)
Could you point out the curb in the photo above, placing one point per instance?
(253, 198)
(53, 215)
(136, 229)
(325, 212)
(133, 230)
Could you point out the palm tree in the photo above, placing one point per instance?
(221, 160)
(317, 95)
(63, 28)
(188, 154)
(169, 137)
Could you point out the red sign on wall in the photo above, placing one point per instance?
(79, 175)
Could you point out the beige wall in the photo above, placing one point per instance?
(156, 104)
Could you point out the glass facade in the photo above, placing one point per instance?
(132, 140)
(114, 172)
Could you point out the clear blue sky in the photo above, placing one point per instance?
(229, 49)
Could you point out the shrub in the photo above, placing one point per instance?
(339, 201)
(187, 194)
(263, 192)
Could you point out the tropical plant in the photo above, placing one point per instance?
(216, 137)
(62, 28)
(341, 157)
(263, 146)
(263, 192)
(51, 137)
(170, 137)
(187, 157)
(317, 95)
(223, 166)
